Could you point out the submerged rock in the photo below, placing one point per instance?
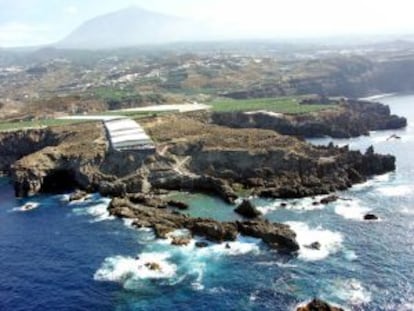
(314, 245)
(201, 244)
(248, 210)
(153, 266)
(329, 199)
(178, 204)
(318, 305)
(371, 217)
(180, 241)
(77, 195)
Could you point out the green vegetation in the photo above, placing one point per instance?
(12, 126)
(117, 98)
(288, 105)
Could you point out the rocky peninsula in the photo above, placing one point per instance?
(194, 154)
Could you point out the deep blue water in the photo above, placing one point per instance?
(64, 256)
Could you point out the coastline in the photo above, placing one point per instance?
(343, 266)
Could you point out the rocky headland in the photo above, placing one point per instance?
(192, 154)
(350, 118)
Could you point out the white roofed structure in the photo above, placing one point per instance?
(126, 134)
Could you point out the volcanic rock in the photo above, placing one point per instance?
(370, 217)
(329, 199)
(314, 245)
(247, 209)
(77, 195)
(178, 204)
(153, 266)
(201, 244)
(277, 236)
(180, 241)
(318, 305)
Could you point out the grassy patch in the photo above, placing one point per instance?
(288, 105)
(12, 126)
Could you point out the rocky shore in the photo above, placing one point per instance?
(146, 214)
(351, 118)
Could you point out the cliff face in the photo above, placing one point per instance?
(352, 118)
(65, 163)
(15, 145)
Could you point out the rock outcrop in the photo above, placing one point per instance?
(370, 217)
(352, 118)
(17, 144)
(247, 209)
(276, 236)
(319, 305)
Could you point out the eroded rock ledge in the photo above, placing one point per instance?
(164, 221)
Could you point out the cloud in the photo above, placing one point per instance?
(19, 34)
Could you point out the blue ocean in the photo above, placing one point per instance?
(73, 256)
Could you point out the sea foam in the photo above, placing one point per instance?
(97, 207)
(351, 291)
(330, 242)
(300, 205)
(395, 191)
(353, 210)
(126, 270)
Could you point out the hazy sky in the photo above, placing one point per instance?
(32, 22)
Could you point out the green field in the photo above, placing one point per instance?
(11, 126)
(288, 105)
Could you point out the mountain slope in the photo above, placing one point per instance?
(130, 27)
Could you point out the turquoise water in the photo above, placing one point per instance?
(64, 256)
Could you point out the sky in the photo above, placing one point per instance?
(36, 22)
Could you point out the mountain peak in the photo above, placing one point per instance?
(132, 26)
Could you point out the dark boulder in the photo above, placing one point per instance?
(153, 266)
(318, 305)
(77, 195)
(370, 217)
(178, 204)
(214, 231)
(180, 241)
(277, 236)
(247, 210)
(201, 244)
(314, 245)
(329, 199)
